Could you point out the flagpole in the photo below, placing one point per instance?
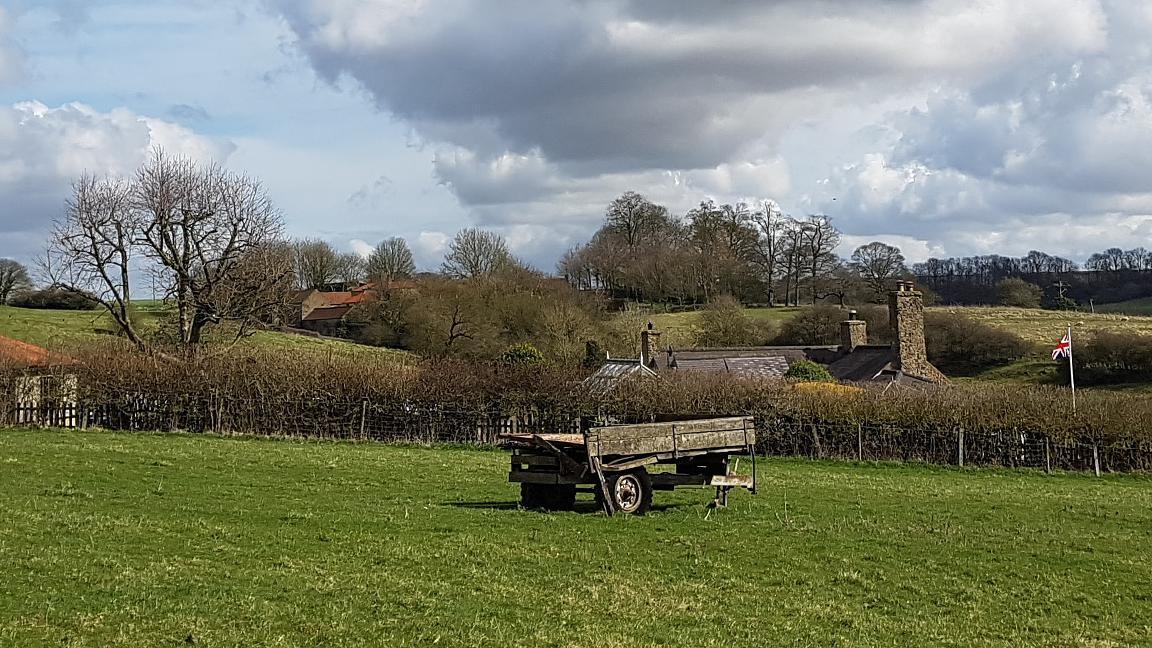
(1071, 371)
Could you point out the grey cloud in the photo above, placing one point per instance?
(1006, 113)
(188, 113)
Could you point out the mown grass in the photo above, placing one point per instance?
(1044, 327)
(144, 540)
(60, 329)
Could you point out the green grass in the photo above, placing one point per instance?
(62, 329)
(144, 540)
(1142, 306)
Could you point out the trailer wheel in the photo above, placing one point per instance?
(631, 491)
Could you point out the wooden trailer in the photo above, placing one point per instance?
(612, 462)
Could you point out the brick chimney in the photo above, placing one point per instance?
(853, 333)
(648, 340)
(906, 316)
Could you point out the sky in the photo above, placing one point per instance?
(946, 127)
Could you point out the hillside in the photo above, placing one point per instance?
(61, 329)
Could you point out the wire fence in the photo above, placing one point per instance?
(325, 418)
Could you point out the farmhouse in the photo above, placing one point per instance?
(852, 360)
(43, 391)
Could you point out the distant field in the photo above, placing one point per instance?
(58, 328)
(146, 540)
(1045, 327)
(1130, 307)
(681, 328)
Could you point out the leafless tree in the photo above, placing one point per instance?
(350, 268)
(878, 264)
(91, 250)
(317, 263)
(770, 244)
(819, 239)
(13, 279)
(392, 259)
(475, 253)
(633, 217)
(197, 223)
(200, 230)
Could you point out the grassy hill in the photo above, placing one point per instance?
(147, 540)
(1141, 306)
(61, 329)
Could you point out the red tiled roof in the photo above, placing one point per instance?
(326, 313)
(342, 298)
(29, 355)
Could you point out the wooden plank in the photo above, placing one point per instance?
(644, 430)
(535, 460)
(531, 477)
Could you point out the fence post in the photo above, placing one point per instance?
(1047, 455)
(960, 447)
(1096, 457)
(859, 442)
(363, 417)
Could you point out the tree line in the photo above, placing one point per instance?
(752, 252)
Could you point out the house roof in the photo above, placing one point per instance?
(866, 362)
(325, 313)
(615, 371)
(29, 355)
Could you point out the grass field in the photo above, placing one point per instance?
(60, 329)
(1142, 306)
(146, 540)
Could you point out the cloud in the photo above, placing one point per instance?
(362, 249)
(43, 149)
(967, 117)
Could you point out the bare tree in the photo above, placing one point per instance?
(819, 239)
(350, 268)
(317, 263)
(878, 264)
(392, 259)
(632, 217)
(91, 249)
(476, 253)
(771, 243)
(197, 224)
(13, 279)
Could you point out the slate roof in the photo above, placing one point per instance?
(864, 363)
(761, 367)
(613, 372)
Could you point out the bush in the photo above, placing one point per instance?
(813, 326)
(960, 345)
(522, 355)
(808, 371)
(725, 323)
(1019, 293)
(1112, 357)
(54, 299)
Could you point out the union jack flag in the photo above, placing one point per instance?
(1064, 349)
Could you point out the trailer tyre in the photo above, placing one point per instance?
(631, 491)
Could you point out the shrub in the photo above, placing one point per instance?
(808, 371)
(1014, 291)
(813, 325)
(960, 345)
(1112, 357)
(54, 299)
(725, 323)
(522, 355)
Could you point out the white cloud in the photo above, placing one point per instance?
(429, 247)
(43, 149)
(362, 249)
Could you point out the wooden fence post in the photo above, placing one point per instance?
(363, 417)
(1096, 457)
(960, 447)
(1047, 455)
(859, 442)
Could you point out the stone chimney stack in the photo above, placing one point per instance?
(906, 315)
(853, 333)
(648, 340)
